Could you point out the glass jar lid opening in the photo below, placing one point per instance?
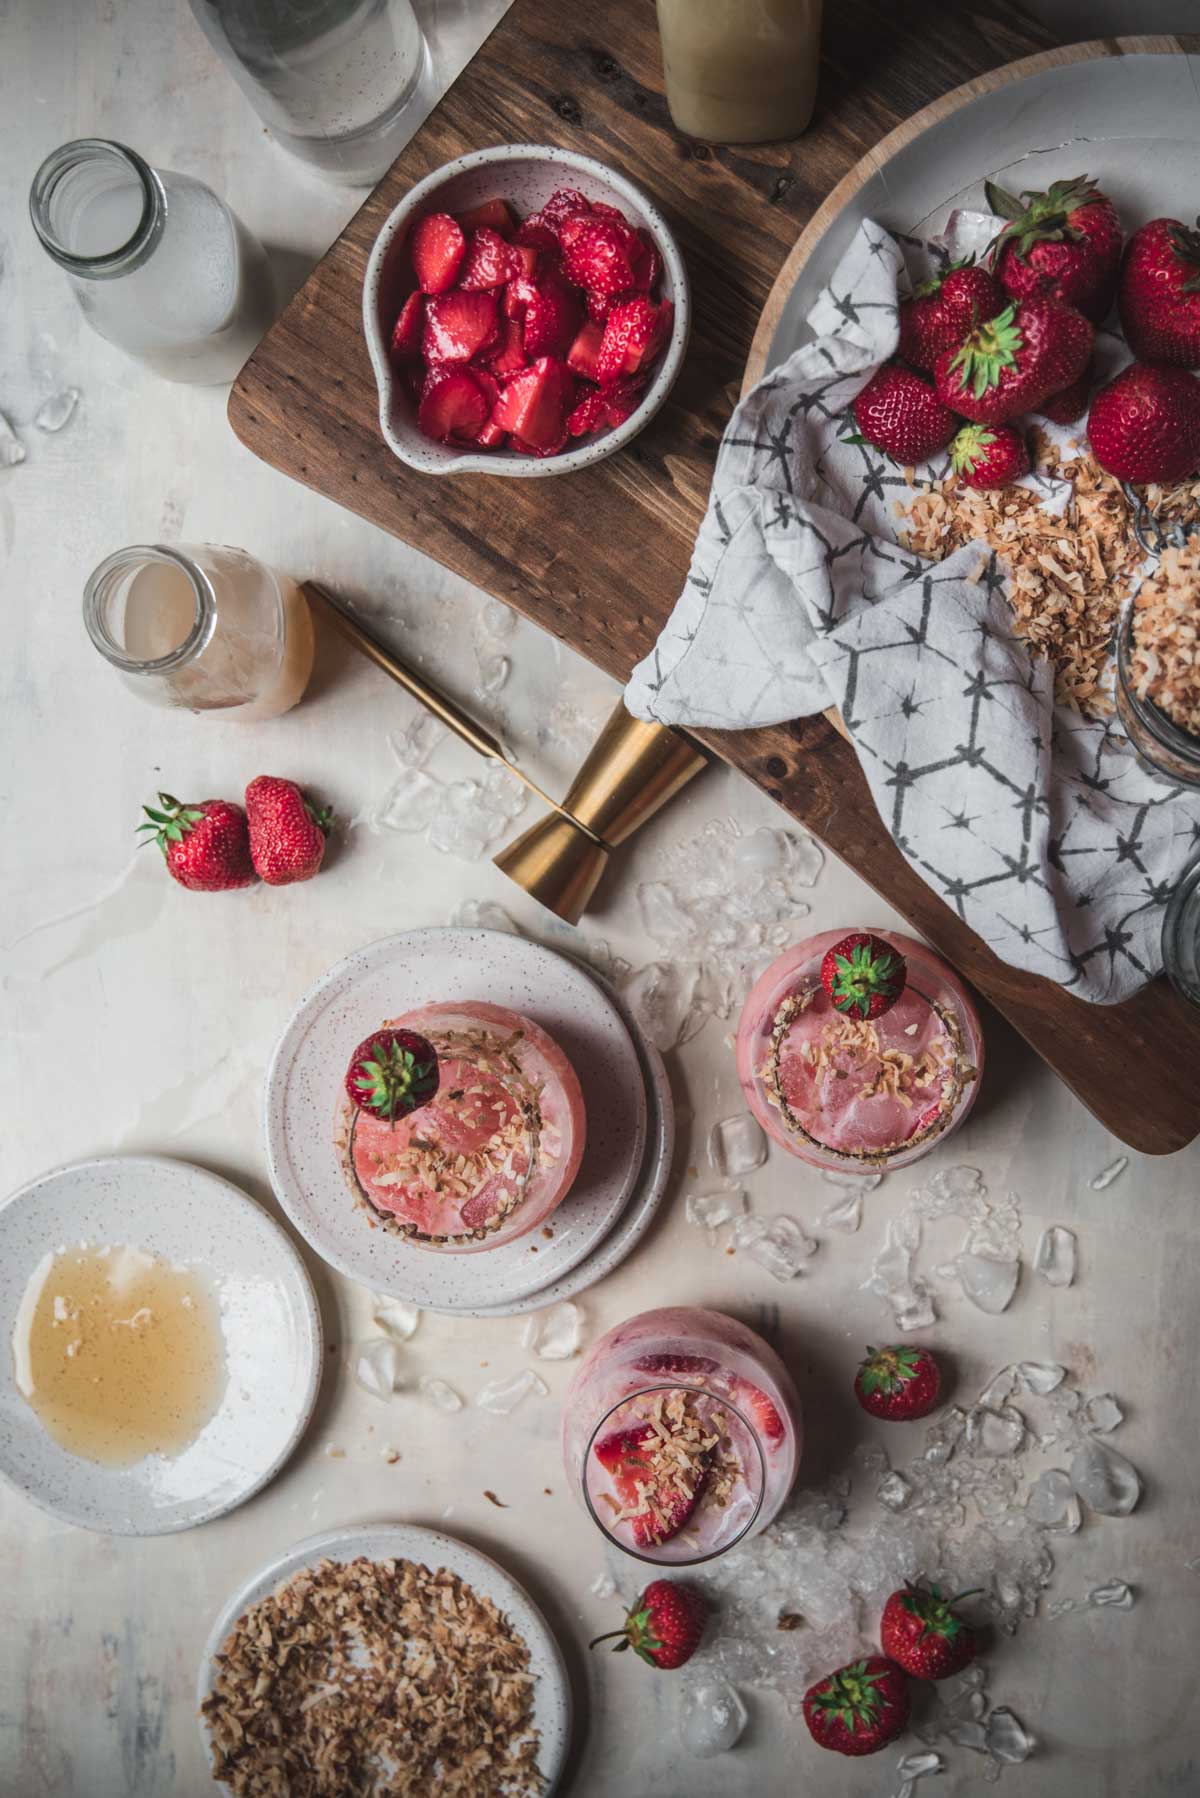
(149, 609)
(98, 208)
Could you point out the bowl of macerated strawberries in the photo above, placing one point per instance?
(526, 311)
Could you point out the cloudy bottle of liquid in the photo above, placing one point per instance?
(740, 71)
(159, 264)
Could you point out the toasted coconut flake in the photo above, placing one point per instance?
(1166, 627)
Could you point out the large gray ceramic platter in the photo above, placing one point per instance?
(394, 976)
(1130, 120)
(270, 1327)
(402, 1541)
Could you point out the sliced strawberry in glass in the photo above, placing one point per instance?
(625, 1457)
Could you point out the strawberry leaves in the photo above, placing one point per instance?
(862, 973)
(988, 351)
(390, 1080)
(889, 1370)
(1038, 217)
(852, 1695)
(171, 824)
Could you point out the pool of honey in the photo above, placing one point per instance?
(119, 1353)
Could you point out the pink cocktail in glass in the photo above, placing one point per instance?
(681, 1434)
(842, 1091)
(491, 1155)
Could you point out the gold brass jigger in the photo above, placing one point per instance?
(631, 771)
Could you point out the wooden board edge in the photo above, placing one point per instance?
(876, 158)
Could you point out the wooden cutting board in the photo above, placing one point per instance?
(599, 557)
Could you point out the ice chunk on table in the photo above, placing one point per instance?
(712, 1720)
(737, 1145)
(1105, 1480)
(377, 1366)
(441, 1395)
(1054, 1257)
(1102, 1413)
(1052, 1504)
(1108, 1174)
(1040, 1377)
(894, 1492)
(57, 410)
(12, 450)
(779, 1244)
(711, 1211)
(1007, 1737)
(554, 1335)
(1114, 1593)
(987, 1282)
(845, 1216)
(504, 1395)
(396, 1317)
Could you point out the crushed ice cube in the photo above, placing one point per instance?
(1114, 1593)
(1108, 1174)
(1102, 1413)
(497, 622)
(711, 1211)
(409, 806)
(55, 412)
(951, 1184)
(995, 1432)
(894, 1492)
(439, 1394)
(1007, 1737)
(505, 1395)
(1052, 1504)
(12, 450)
(912, 1306)
(777, 1243)
(476, 813)
(484, 914)
(1060, 1607)
(999, 1388)
(943, 1435)
(396, 1317)
(845, 1216)
(859, 1183)
(554, 1335)
(377, 1367)
(712, 1720)
(1105, 1480)
(1040, 1377)
(967, 1733)
(661, 997)
(737, 1145)
(1054, 1257)
(918, 1766)
(494, 671)
(603, 1586)
(892, 1267)
(987, 1282)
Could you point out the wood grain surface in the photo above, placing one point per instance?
(600, 556)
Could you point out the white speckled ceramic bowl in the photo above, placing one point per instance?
(387, 979)
(410, 1542)
(269, 1321)
(525, 174)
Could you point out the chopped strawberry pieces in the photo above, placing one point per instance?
(489, 262)
(496, 215)
(438, 247)
(633, 334)
(533, 404)
(406, 334)
(458, 325)
(583, 353)
(454, 408)
(511, 318)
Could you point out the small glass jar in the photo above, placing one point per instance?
(201, 628)
(729, 1410)
(1181, 935)
(160, 266)
(740, 71)
(335, 80)
(1159, 744)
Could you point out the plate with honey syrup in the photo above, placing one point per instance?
(164, 1345)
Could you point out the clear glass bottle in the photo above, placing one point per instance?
(335, 80)
(1171, 753)
(740, 71)
(159, 264)
(202, 628)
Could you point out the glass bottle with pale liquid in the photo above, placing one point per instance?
(158, 263)
(740, 71)
(202, 628)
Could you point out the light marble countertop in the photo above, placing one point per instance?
(167, 1005)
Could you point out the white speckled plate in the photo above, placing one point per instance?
(552, 1691)
(393, 976)
(638, 1215)
(269, 1320)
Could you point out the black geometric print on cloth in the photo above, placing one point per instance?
(1039, 828)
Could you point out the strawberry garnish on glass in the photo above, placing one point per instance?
(863, 975)
(664, 1627)
(392, 1074)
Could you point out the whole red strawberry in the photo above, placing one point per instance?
(664, 1626)
(922, 1632)
(1159, 293)
(205, 843)
(901, 414)
(393, 1072)
(989, 455)
(944, 309)
(860, 1708)
(287, 833)
(898, 1383)
(1063, 244)
(1145, 424)
(1065, 407)
(863, 975)
(1015, 360)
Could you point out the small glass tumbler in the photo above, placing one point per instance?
(1159, 744)
(1181, 935)
(335, 80)
(740, 71)
(160, 266)
(201, 628)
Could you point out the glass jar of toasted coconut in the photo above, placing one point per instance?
(1181, 935)
(1158, 667)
